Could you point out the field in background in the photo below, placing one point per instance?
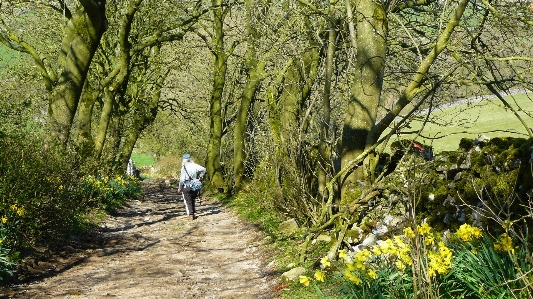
(141, 160)
(446, 126)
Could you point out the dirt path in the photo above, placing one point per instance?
(149, 249)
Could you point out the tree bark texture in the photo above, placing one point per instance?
(324, 165)
(256, 73)
(366, 89)
(213, 165)
(82, 37)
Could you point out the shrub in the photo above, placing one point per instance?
(47, 194)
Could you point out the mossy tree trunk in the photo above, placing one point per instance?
(255, 67)
(371, 39)
(144, 111)
(287, 120)
(85, 25)
(82, 132)
(82, 37)
(220, 63)
(324, 169)
(115, 84)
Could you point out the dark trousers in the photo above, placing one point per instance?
(189, 197)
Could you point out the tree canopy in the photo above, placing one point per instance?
(307, 94)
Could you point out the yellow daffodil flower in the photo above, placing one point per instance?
(319, 275)
(304, 280)
(467, 232)
(325, 262)
(342, 254)
(350, 266)
(424, 229)
(372, 274)
(409, 233)
(352, 277)
(400, 265)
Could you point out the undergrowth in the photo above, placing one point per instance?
(47, 195)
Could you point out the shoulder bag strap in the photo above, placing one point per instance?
(190, 178)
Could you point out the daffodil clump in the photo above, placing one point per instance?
(108, 192)
(9, 221)
(397, 252)
(467, 233)
(505, 244)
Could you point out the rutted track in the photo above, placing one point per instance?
(149, 249)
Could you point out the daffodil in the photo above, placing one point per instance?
(372, 274)
(506, 244)
(440, 262)
(4, 219)
(409, 233)
(325, 262)
(319, 275)
(304, 280)
(342, 254)
(353, 278)
(400, 265)
(350, 266)
(467, 232)
(424, 229)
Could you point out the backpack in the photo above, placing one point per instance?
(194, 185)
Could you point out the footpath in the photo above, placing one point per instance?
(150, 249)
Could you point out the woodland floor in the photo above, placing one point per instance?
(150, 249)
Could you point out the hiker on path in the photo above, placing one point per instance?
(190, 171)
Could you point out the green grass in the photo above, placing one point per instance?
(489, 118)
(8, 55)
(141, 160)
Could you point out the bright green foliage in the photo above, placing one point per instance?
(483, 271)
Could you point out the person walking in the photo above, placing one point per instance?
(190, 171)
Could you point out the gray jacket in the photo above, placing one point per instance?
(194, 171)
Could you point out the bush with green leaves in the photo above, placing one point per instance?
(46, 194)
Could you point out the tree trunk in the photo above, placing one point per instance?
(256, 73)
(143, 117)
(324, 163)
(213, 165)
(366, 90)
(82, 37)
(116, 84)
(103, 124)
(83, 130)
